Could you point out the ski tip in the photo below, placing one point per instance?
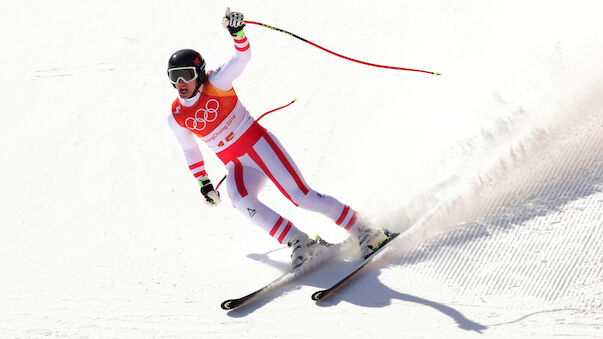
(229, 305)
(318, 295)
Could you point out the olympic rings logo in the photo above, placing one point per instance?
(203, 116)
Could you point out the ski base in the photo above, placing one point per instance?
(320, 295)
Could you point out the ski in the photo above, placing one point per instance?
(314, 261)
(320, 295)
(231, 304)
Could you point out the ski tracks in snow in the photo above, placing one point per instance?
(528, 233)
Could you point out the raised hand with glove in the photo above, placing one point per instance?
(234, 23)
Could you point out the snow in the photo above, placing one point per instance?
(494, 169)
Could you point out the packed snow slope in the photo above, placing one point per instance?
(494, 169)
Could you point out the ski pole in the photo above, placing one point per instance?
(220, 183)
(258, 119)
(337, 54)
(276, 109)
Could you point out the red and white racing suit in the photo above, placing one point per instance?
(250, 152)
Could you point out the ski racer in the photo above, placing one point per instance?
(208, 107)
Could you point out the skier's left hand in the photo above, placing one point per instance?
(233, 22)
(212, 197)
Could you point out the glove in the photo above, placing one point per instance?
(233, 22)
(212, 197)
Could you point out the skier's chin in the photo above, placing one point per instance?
(184, 93)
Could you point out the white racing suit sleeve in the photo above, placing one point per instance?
(223, 77)
(192, 154)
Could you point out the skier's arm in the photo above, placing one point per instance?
(192, 154)
(195, 162)
(225, 75)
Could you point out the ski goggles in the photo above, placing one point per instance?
(187, 74)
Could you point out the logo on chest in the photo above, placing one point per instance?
(203, 116)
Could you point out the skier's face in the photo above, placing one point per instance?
(186, 90)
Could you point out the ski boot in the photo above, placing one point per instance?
(303, 248)
(370, 239)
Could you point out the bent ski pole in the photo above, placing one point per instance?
(337, 54)
(276, 109)
(258, 119)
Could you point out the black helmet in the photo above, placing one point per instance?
(188, 58)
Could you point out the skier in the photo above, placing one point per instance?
(207, 106)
